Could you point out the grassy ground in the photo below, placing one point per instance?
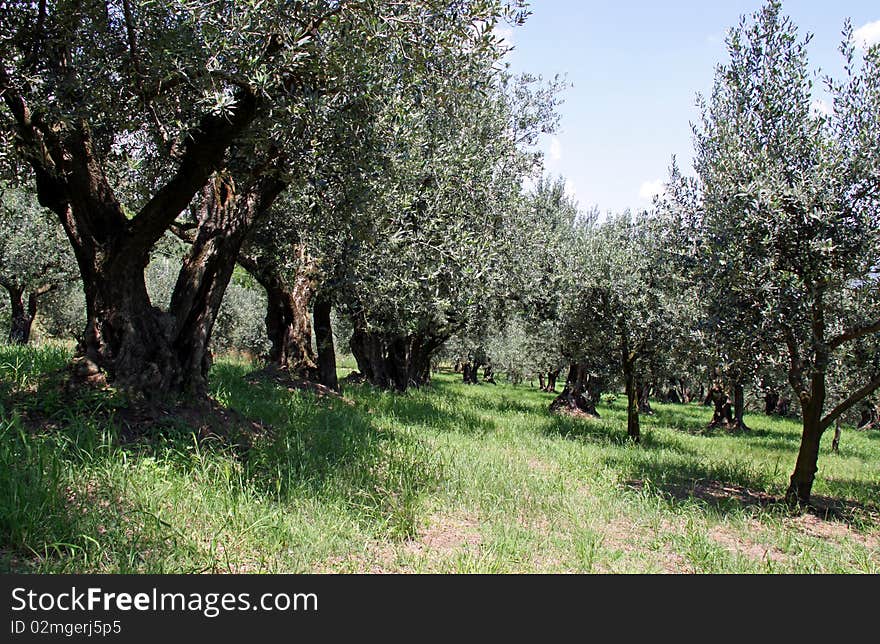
(450, 479)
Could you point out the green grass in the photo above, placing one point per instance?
(448, 479)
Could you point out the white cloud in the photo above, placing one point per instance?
(650, 189)
(819, 107)
(504, 35)
(555, 151)
(867, 35)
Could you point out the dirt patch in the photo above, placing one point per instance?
(618, 534)
(815, 526)
(538, 465)
(672, 563)
(744, 546)
(447, 534)
(574, 413)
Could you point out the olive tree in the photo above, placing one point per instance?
(794, 198)
(622, 303)
(34, 258)
(199, 102)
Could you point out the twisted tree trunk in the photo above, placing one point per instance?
(576, 396)
(142, 349)
(397, 362)
(723, 413)
(324, 341)
(288, 319)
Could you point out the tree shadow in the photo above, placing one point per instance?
(607, 431)
(729, 488)
(61, 510)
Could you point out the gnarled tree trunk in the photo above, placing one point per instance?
(396, 362)
(324, 341)
(288, 319)
(224, 219)
(142, 349)
(576, 395)
(723, 412)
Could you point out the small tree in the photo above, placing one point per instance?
(621, 304)
(35, 258)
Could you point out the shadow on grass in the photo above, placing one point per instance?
(415, 410)
(731, 487)
(66, 502)
(609, 430)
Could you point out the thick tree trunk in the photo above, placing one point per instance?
(723, 413)
(632, 399)
(551, 380)
(324, 341)
(398, 362)
(203, 279)
(289, 327)
(288, 319)
(541, 384)
(470, 372)
(576, 396)
(739, 406)
(126, 336)
(141, 349)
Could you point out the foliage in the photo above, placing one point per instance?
(33, 249)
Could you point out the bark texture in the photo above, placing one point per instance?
(288, 316)
(324, 341)
(140, 348)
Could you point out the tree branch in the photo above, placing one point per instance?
(849, 402)
(45, 288)
(202, 155)
(854, 333)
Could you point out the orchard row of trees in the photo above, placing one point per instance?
(346, 153)
(758, 272)
(363, 165)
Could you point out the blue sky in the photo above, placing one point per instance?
(636, 67)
